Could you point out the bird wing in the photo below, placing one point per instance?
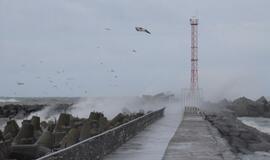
(140, 29)
(147, 31)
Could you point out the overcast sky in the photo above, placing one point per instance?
(61, 47)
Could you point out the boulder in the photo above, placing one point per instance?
(26, 134)
(11, 129)
(242, 138)
(46, 140)
(71, 137)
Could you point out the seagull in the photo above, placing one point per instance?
(134, 51)
(140, 29)
(107, 29)
(20, 83)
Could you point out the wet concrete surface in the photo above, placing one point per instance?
(151, 143)
(196, 139)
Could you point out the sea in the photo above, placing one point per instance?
(263, 125)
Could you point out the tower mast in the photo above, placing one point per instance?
(192, 96)
(194, 86)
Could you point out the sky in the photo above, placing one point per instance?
(62, 47)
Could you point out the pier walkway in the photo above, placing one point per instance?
(196, 139)
(151, 143)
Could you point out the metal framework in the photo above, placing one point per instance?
(192, 97)
(194, 54)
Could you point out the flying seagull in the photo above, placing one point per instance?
(140, 29)
(20, 83)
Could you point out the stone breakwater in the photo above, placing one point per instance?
(95, 148)
(19, 110)
(197, 139)
(34, 139)
(242, 138)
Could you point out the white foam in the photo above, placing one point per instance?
(11, 100)
(110, 106)
(260, 123)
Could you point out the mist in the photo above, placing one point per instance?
(109, 106)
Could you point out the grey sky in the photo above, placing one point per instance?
(39, 38)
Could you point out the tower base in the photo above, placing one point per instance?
(191, 98)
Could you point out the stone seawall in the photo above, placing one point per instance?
(95, 148)
(197, 139)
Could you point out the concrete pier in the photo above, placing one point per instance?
(196, 139)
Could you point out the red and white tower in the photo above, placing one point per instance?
(193, 95)
(194, 54)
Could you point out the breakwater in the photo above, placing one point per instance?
(197, 139)
(95, 148)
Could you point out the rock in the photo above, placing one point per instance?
(243, 101)
(11, 129)
(117, 120)
(246, 107)
(35, 121)
(242, 138)
(262, 146)
(262, 101)
(44, 125)
(46, 140)
(1, 136)
(35, 139)
(26, 134)
(63, 123)
(18, 110)
(71, 138)
(88, 129)
(27, 152)
(95, 115)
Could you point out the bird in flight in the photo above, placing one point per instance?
(20, 83)
(140, 29)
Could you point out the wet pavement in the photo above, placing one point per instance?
(151, 143)
(196, 139)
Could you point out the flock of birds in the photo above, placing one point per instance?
(54, 85)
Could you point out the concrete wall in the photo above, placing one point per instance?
(95, 148)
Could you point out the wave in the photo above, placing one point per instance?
(260, 123)
(11, 100)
